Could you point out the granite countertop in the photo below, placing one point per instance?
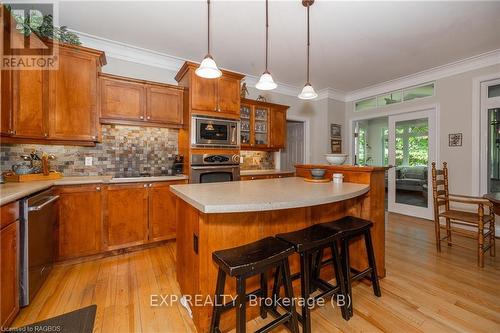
(264, 172)
(265, 194)
(13, 191)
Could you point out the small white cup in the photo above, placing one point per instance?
(338, 178)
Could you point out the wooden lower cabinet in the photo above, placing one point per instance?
(80, 221)
(96, 218)
(9, 265)
(126, 218)
(162, 214)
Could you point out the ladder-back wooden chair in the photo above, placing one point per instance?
(479, 219)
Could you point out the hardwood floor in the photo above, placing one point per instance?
(423, 291)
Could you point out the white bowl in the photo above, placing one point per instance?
(336, 159)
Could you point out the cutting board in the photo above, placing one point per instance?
(12, 177)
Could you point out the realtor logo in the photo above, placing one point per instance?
(24, 42)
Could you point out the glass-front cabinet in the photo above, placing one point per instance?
(254, 126)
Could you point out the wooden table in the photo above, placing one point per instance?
(494, 198)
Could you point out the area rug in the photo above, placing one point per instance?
(78, 321)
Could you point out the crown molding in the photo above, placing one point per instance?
(127, 52)
(282, 88)
(131, 53)
(331, 93)
(436, 73)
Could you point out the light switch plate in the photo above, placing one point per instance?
(88, 160)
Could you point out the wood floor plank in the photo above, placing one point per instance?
(424, 291)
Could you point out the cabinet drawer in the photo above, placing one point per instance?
(9, 213)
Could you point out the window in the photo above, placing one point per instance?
(494, 91)
(369, 103)
(362, 146)
(412, 142)
(403, 95)
(418, 92)
(390, 98)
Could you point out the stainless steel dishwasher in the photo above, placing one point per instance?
(38, 222)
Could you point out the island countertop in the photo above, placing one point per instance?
(265, 194)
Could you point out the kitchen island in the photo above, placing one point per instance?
(217, 216)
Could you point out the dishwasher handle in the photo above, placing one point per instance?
(43, 204)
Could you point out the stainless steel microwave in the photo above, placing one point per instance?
(214, 132)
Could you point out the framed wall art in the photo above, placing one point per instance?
(455, 140)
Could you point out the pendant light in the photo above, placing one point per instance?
(208, 68)
(266, 81)
(308, 91)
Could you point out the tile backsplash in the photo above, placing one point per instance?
(126, 150)
(257, 160)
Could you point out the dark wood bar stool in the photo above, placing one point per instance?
(243, 262)
(310, 243)
(348, 228)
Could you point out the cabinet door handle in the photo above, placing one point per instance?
(148, 117)
(150, 185)
(145, 185)
(94, 137)
(98, 188)
(141, 117)
(46, 135)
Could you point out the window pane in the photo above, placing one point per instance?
(366, 104)
(418, 92)
(494, 91)
(390, 98)
(412, 157)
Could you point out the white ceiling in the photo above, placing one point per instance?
(353, 44)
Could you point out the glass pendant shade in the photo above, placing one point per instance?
(266, 82)
(308, 92)
(208, 69)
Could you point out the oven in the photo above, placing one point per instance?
(214, 132)
(209, 168)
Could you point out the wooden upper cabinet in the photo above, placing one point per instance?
(263, 125)
(229, 95)
(162, 211)
(126, 221)
(80, 220)
(6, 103)
(218, 97)
(137, 102)
(278, 128)
(30, 103)
(73, 97)
(122, 99)
(203, 93)
(164, 105)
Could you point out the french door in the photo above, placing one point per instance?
(411, 150)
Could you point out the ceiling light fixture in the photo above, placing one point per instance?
(266, 81)
(308, 91)
(208, 68)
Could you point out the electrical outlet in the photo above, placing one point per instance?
(88, 160)
(241, 160)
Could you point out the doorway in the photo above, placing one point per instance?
(407, 142)
(295, 149)
(491, 104)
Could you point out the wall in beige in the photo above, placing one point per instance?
(453, 96)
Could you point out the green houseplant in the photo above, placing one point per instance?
(43, 27)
